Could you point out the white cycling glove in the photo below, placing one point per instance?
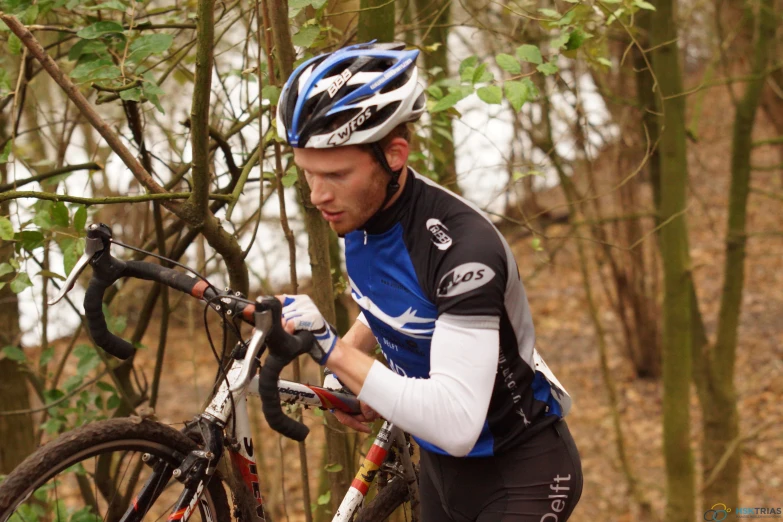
(302, 312)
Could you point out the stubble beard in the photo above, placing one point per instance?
(367, 205)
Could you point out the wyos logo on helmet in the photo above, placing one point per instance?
(354, 95)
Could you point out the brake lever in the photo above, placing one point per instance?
(92, 247)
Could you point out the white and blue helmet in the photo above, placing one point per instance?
(354, 95)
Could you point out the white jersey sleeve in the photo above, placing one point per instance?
(449, 408)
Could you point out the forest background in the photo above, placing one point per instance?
(630, 151)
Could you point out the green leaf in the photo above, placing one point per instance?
(290, 177)
(43, 220)
(575, 39)
(614, 16)
(482, 74)
(435, 91)
(113, 403)
(271, 93)
(149, 44)
(306, 36)
(547, 68)
(133, 94)
(60, 215)
(448, 101)
(549, 13)
(605, 61)
(51, 275)
(95, 69)
(490, 94)
(516, 93)
(151, 91)
(466, 74)
(105, 386)
(47, 355)
(529, 53)
(508, 63)
(468, 63)
(72, 249)
(87, 47)
(14, 45)
(325, 498)
(561, 41)
(99, 29)
(14, 353)
(20, 283)
(536, 244)
(641, 4)
(113, 5)
(31, 239)
(6, 229)
(333, 468)
(5, 269)
(519, 175)
(6, 151)
(52, 426)
(80, 218)
(29, 15)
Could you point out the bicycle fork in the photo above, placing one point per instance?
(196, 469)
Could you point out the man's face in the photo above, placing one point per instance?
(346, 184)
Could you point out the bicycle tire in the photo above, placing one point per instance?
(388, 499)
(89, 442)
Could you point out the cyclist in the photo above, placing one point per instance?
(438, 289)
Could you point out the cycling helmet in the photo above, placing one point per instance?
(354, 95)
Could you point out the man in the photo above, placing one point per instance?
(439, 290)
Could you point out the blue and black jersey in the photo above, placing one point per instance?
(433, 255)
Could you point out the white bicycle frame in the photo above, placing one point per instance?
(231, 400)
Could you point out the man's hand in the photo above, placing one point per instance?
(358, 421)
(300, 313)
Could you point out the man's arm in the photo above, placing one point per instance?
(360, 337)
(463, 364)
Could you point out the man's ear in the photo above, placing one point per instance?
(397, 152)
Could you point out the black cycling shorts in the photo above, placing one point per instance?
(538, 481)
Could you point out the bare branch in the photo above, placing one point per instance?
(113, 200)
(50, 174)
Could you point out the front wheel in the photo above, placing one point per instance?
(95, 472)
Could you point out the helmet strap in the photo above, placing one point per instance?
(394, 182)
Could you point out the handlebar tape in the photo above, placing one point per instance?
(267, 384)
(106, 271)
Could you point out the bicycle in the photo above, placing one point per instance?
(144, 470)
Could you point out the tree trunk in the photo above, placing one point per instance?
(721, 419)
(318, 248)
(17, 432)
(676, 337)
(376, 21)
(434, 18)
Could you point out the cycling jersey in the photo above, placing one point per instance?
(433, 256)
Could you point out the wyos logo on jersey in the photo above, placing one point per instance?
(342, 134)
(439, 236)
(464, 278)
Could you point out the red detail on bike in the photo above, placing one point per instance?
(198, 289)
(249, 475)
(178, 515)
(248, 311)
(135, 503)
(329, 401)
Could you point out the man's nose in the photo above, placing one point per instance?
(320, 191)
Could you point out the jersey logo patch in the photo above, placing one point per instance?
(464, 278)
(440, 238)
